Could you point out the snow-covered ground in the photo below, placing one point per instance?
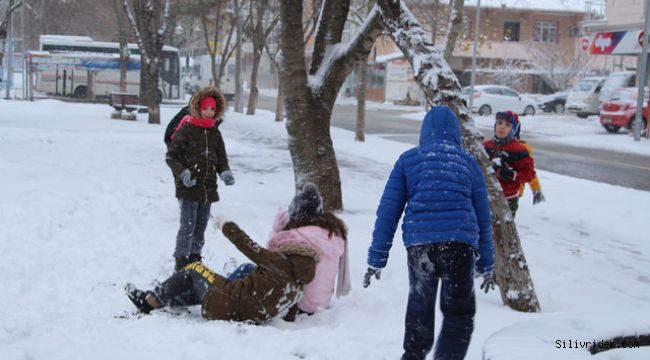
(566, 129)
(87, 205)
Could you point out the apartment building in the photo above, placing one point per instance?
(513, 36)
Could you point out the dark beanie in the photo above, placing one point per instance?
(307, 203)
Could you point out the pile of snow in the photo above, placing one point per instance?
(88, 205)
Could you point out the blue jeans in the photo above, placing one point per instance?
(241, 272)
(453, 264)
(194, 220)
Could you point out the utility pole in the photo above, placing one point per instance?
(9, 56)
(473, 76)
(643, 73)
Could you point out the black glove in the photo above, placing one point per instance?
(489, 280)
(505, 156)
(506, 173)
(371, 271)
(186, 178)
(538, 197)
(227, 177)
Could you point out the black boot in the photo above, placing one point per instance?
(181, 262)
(194, 258)
(138, 298)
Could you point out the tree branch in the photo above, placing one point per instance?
(340, 61)
(134, 27)
(330, 28)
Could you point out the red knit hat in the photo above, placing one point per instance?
(207, 102)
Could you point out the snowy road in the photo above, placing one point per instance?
(610, 167)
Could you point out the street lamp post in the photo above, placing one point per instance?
(473, 76)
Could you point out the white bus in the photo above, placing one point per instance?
(65, 81)
(197, 73)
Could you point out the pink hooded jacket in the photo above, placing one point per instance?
(333, 260)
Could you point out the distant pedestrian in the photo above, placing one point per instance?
(441, 191)
(511, 161)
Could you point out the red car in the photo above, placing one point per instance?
(620, 110)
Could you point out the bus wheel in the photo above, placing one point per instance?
(81, 92)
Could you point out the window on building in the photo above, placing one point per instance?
(511, 31)
(545, 31)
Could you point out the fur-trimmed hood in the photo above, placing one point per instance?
(208, 91)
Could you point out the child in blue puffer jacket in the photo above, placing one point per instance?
(440, 188)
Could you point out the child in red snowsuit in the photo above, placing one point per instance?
(511, 161)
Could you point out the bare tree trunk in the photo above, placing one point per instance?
(123, 37)
(362, 81)
(279, 106)
(226, 50)
(212, 48)
(254, 92)
(441, 86)
(150, 26)
(238, 60)
(455, 27)
(309, 102)
(4, 23)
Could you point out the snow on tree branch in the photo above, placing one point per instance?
(342, 55)
(163, 26)
(429, 66)
(134, 26)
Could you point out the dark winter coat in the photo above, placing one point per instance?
(442, 187)
(273, 286)
(514, 154)
(201, 150)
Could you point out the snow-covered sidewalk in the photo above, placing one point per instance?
(87, 205)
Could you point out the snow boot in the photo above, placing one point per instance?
(138, 298)
(181, 262)
(194, 258)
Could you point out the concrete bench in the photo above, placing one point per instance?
(125, 104)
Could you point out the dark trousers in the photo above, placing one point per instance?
(194, 220)
(190, 285)
(453, 264)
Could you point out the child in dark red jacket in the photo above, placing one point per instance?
(511, 161)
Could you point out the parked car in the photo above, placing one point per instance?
(616, 80)
(489, 99)
(553, 102)
(583, 97)
(620, 110)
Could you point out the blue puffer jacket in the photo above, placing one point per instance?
(444, 192)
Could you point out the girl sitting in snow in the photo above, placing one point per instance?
(273, 286)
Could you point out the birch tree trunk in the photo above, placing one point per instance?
(441, 87)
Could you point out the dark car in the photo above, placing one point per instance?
(553, 103)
